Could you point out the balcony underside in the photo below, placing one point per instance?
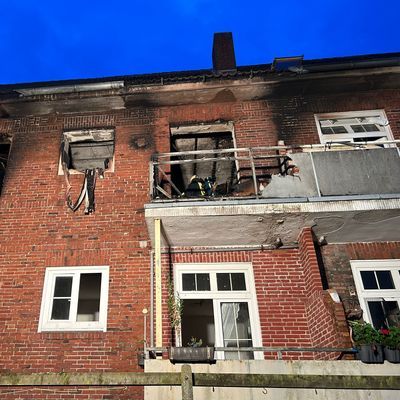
(364, 218)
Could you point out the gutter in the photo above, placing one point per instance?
(87, 87)
(315, 67)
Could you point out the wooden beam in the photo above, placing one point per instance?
(187, 382)
(185, 377)
(158, 289)
(354, 382)
(91, 379)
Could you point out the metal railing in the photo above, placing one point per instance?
(252, 159)
(278, 350)
(251, 164)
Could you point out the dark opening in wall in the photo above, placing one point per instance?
(4, 153)
(88, 149)
(203, 137)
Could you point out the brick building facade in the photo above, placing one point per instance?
(291, 303)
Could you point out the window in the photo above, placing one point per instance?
(378, 289)
(87, 149)
(5, 146)
(220, 168)
(74, 299)
(219, 307)
(357, 126)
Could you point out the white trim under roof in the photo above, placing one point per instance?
(84, 87)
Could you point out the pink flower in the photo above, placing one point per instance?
(384, 331)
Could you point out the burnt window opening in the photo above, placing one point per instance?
(90, 152)
(88, 149)
(220, 172)
(4, 154)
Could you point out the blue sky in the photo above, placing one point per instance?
(50, 40)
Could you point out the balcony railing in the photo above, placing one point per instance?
(279, 351)
(307, 171)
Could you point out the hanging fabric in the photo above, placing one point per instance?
(88, 185)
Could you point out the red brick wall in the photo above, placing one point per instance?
(294, 116)
(336, 258)
(294, 311)
(326, 319)
(279, 288)
(38, 231)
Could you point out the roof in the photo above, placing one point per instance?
(308, 66)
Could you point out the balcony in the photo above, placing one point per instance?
(250, 197)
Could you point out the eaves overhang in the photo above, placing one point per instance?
(202, 88)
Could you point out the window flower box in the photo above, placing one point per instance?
(370, 353)
(191, 354)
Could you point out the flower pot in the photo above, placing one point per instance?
(370, 353)
(191, 354)
(392, 355)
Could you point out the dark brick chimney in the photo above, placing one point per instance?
(223, 54)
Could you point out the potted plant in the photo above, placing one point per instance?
(391, 341)
(368, 342)
(175, 309)
(194, 351)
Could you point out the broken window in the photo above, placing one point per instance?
(91, 152)
(202, 166)
(5, 146)
(359, 126)
(219, 308)
(74, 298)
(88, 149)
(378, 289)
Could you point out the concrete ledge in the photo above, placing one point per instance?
(351, 370)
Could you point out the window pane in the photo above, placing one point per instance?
(327, 131)
(236, 328)
(243, 322)
(357, 128)
(188, 282)
(376, 312)
(60, 309)
(229, 312)
(385, 279)
(62, 287)
(223, 282)
(392, 313)
(238, 281)
(368, 279)
(371, 128)
(384, 313)
(203, 281)
(339, 129)
(89, 297)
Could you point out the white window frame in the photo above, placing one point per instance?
(218, 297)
(365, 295)
(345, 137)
(45, 322)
